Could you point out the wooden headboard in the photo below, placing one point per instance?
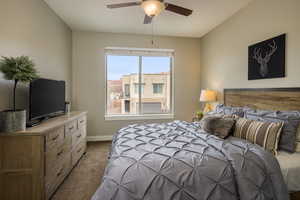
(264, 98)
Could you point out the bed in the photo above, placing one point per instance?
(178, 160)
(273, 99)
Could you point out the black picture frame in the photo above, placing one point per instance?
(267, 59)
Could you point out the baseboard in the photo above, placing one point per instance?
(99, 138)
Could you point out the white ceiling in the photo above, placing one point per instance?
(92, 15)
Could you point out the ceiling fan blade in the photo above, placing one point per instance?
(122, 5)
(179, 10)
(148, 19)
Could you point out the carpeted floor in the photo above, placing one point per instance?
(85, 178)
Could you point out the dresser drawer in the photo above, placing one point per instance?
(78, 152)
(57, 175)
(55, 155)
(82, 122)
(71, 127)
(78, 136)
(55, 138)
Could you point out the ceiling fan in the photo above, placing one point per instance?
(153, 8)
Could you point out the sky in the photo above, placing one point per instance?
(122, 65)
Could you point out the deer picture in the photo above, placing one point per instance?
(263, 61)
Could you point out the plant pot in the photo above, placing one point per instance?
(12, 121)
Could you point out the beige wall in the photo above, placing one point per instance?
(30, 28)
(89, 75)
(224, 51)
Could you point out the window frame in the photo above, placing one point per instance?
(170, 115)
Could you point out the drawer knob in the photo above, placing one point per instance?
(59, 153)
(55, 137)
(71, 128)
(60, 172)
(78, 136)
(79, 150)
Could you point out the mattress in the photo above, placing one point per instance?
(290, 167)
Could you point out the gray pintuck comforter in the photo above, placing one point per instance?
(178, 161)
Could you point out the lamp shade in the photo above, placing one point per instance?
(153, 7)
(208, 96)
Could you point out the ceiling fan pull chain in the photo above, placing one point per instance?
(154, 45)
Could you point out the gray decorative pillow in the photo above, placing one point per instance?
(221, 115)
(228, 110)
(218, 126)
(291, 120)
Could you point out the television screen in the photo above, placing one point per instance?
(47, 97)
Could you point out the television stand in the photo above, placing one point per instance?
(35, 162)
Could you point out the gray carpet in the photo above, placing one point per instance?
(85, 178)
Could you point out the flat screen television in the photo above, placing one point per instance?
(46, 98)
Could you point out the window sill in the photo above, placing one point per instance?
(137, 117)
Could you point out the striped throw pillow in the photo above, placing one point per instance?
(265, 134)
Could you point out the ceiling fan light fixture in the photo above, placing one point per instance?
(153, 7)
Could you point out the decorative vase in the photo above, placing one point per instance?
(12, 121)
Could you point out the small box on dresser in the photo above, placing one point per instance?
(34, 163)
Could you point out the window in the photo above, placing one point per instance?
(127, 90)
(136, 88)
(121, 70)
(139, 83)
(158, 88)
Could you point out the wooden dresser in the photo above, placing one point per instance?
(35, 162)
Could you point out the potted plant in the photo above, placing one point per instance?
(199, 115)
(18, 69)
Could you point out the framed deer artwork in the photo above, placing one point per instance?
(267, 59)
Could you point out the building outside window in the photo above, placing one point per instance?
(139, 83)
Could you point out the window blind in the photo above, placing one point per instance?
(139, 52)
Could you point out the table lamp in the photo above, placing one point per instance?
(208, 96)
